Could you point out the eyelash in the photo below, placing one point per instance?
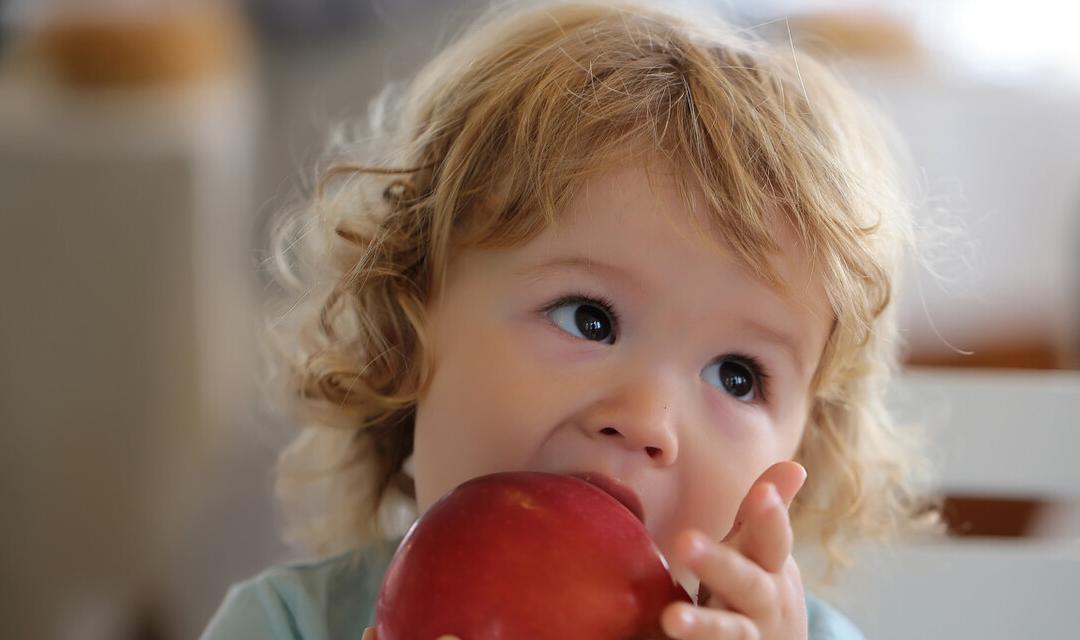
(604, 303)
(757, 369)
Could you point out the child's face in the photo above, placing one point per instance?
(665, 400)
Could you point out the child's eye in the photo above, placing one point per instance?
(740, 376)
(583, 317)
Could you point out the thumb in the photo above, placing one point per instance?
(369, 634)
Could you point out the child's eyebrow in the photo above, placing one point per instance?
(578, 262)
(784, 340)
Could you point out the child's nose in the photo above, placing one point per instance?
(641, 418)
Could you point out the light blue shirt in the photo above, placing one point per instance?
(334, 599)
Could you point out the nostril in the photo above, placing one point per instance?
(609, 431)
(653, 451)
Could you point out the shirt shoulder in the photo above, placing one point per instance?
(321, 600)
(827, 623)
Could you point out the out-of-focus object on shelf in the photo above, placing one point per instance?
(1002, 439)
(126, 333)
(106, 44)
(837, 31)
(125, 48)
(858, 32)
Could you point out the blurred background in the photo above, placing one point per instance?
(145, 144)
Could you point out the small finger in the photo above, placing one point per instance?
(731, 579)
(767, 538)
(787, 476)
(682, 621)
(369, 634)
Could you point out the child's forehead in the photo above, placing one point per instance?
(641, 213)
(668, 197)
(630, 183)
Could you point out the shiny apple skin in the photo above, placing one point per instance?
(526, 555)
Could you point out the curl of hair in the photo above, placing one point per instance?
(493, 138)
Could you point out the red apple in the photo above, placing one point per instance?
(526, 556)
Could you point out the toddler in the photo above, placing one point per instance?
(604, 238)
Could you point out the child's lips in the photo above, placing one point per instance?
(615, 489)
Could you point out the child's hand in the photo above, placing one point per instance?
(369, 634)
(750, 585)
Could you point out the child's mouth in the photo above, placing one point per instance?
(624, 494)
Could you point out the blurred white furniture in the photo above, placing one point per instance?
(125, 338)
(996, 157)
(994, 434)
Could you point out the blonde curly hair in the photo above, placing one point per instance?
(485, 147)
